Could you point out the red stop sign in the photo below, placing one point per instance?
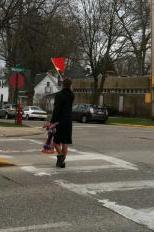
(17, 80)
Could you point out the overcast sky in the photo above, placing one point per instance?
(2, 63)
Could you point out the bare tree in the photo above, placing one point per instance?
(99, 32)
(88, 17)
(134, 18)
(8, 13)
(18, 16)
(24, 35)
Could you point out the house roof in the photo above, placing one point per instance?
(39, 77)
(46, 77)
(53, 80)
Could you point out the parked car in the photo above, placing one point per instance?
(112, 111)
(8, 111)
(87, 112)
(34, 112)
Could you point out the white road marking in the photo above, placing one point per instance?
(37, 227)
(139, 216)
(35, 141)
(82, 157)
(20, 151)
(35, 171)
(21, 139)
(118, 162)
(115, 162)
(12, 139)
(148, 210)
(6, 156)
(94, 188)
(72, 150)
(53, 171)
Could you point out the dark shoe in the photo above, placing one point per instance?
(63, 165)
(60, 161)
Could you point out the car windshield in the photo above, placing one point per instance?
(75, 107)
(35, 108)
(9, 106)
(97, 108)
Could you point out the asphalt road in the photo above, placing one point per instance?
(107, 185)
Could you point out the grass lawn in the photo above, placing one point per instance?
(132, 121)
(10, 124)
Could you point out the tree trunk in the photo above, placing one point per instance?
(95, 93)
(140, 63)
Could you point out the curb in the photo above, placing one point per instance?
(19, 135)
(132, 125)
(7, 132)
(22, 134)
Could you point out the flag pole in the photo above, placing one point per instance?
(59, 74)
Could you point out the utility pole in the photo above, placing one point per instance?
(152, 56)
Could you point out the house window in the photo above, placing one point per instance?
(48, 88)
(1, 100)
(48, 84)
(1, 84)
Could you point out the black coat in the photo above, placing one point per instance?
(62, 114)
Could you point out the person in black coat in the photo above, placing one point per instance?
(62, 114)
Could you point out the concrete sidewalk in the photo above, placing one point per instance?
(20, 131)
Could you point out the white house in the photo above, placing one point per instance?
(49, 85)
(4, 91)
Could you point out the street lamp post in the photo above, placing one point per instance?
(152, 56)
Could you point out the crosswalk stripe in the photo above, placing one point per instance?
(119, 163)
(37, 227)
(140, 216)
(52, 171)
(11, 139)
(35, 171)
(6, 157)
(20, 151)
(94, 188)
(112, 163)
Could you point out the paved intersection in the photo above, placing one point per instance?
(122, 187)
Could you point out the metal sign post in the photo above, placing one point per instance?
(18, 118)
(152, 56)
